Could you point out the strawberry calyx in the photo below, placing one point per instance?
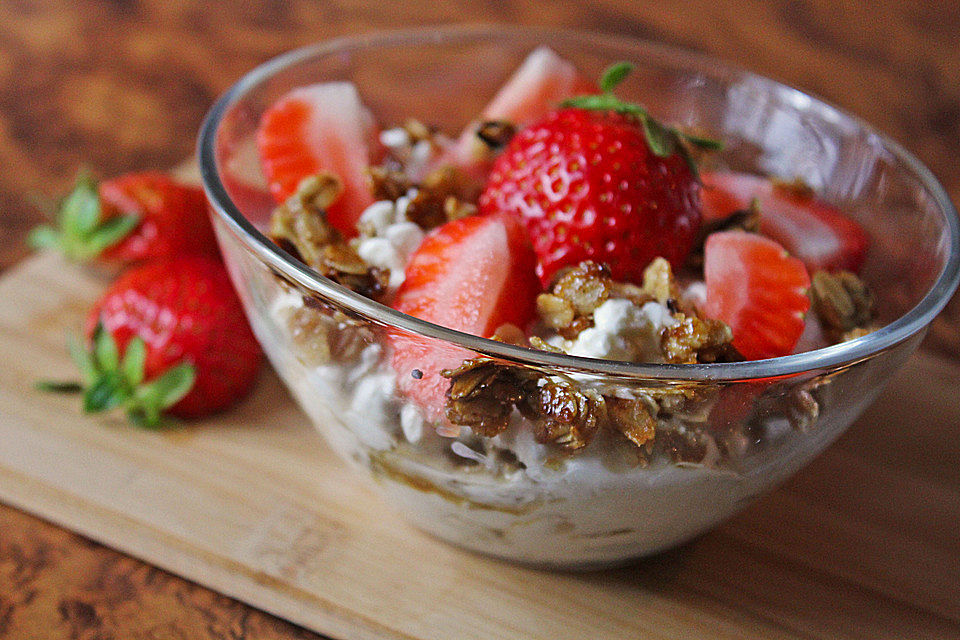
(110, 381)
(81, 233)
(662, 140)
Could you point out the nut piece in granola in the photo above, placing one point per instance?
(843, 303)
(300, 226)
(658, 281)
(322, 334)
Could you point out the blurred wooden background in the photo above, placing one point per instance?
(123, 84)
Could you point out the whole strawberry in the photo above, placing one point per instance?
(168, 337)
(600, 180)
(132, 218)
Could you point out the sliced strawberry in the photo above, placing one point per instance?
(539, 84)
(758, 289)
(810, 229)
(321, 127)
(473, 275)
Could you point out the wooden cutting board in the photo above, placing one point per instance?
(863, 543)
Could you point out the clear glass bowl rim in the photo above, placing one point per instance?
(827, 358)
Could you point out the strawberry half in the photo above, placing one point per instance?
(472, 275)
(809, 228)
(758, 289)
(320, 127)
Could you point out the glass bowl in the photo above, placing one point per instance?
(725, 433)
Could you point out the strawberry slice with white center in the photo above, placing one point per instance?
(810, 229)
(758, 289)
(539, 84)
(320, 127)
(472, 275)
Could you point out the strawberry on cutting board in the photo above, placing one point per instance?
(473, 275)
(758, 289)
(168, 337)
(320, 127)
(599, 180)
(128, 219)
(807, 227)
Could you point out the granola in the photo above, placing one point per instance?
(300, 226)
(843, 303)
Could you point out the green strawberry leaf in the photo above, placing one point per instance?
(43, 237)
(83, 359)
(110, 381)
(108, 234)
(144, 418)
(710, 144)
(605, 102)
(80, 212)
(81, 232)
(58, 386)
(614, 75)
(661, 140)
(105, 351)
(134, 361)
(169, 388)
(105, 394)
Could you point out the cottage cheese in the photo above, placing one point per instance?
(389, 237)
(624, 331)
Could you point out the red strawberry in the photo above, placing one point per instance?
(810, 229)
(472, 275)
(186, 344)
(588, 187)
(321, 127)
(758, 289)
(600, 180)
(132, 218)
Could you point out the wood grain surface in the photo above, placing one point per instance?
(863, 543)
(124, 84)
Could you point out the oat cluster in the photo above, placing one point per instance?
(300, 227)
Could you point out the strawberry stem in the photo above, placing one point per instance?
(111, 381)
(663, 141)
(81, 233)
